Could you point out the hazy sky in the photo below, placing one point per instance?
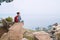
(34, 12)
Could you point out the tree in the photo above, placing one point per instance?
(55, 24)
(37, 29)
(7, 1)
(49, 27)
(9, 19)
(45, 29)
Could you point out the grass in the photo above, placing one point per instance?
(29, 38)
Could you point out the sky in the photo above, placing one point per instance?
(35, 13)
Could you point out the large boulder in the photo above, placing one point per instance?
(42, 35)
(15, 32)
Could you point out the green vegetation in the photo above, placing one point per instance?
(28, 37)
(0, 22)
(7, 1)
(28, 34)
(9, 19)
(31, 30)
(41, 29)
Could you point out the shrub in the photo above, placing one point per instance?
(9, 19)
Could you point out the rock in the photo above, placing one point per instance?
(15, 32)
(57, 35)
(57, 32)
(4, 37)
(42, 35)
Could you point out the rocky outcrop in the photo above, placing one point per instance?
(42, 35)
(57, 32)
(15, 32)
(57, 35)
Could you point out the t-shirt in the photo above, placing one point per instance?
(19, 18)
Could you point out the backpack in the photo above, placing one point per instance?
(16, 19)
